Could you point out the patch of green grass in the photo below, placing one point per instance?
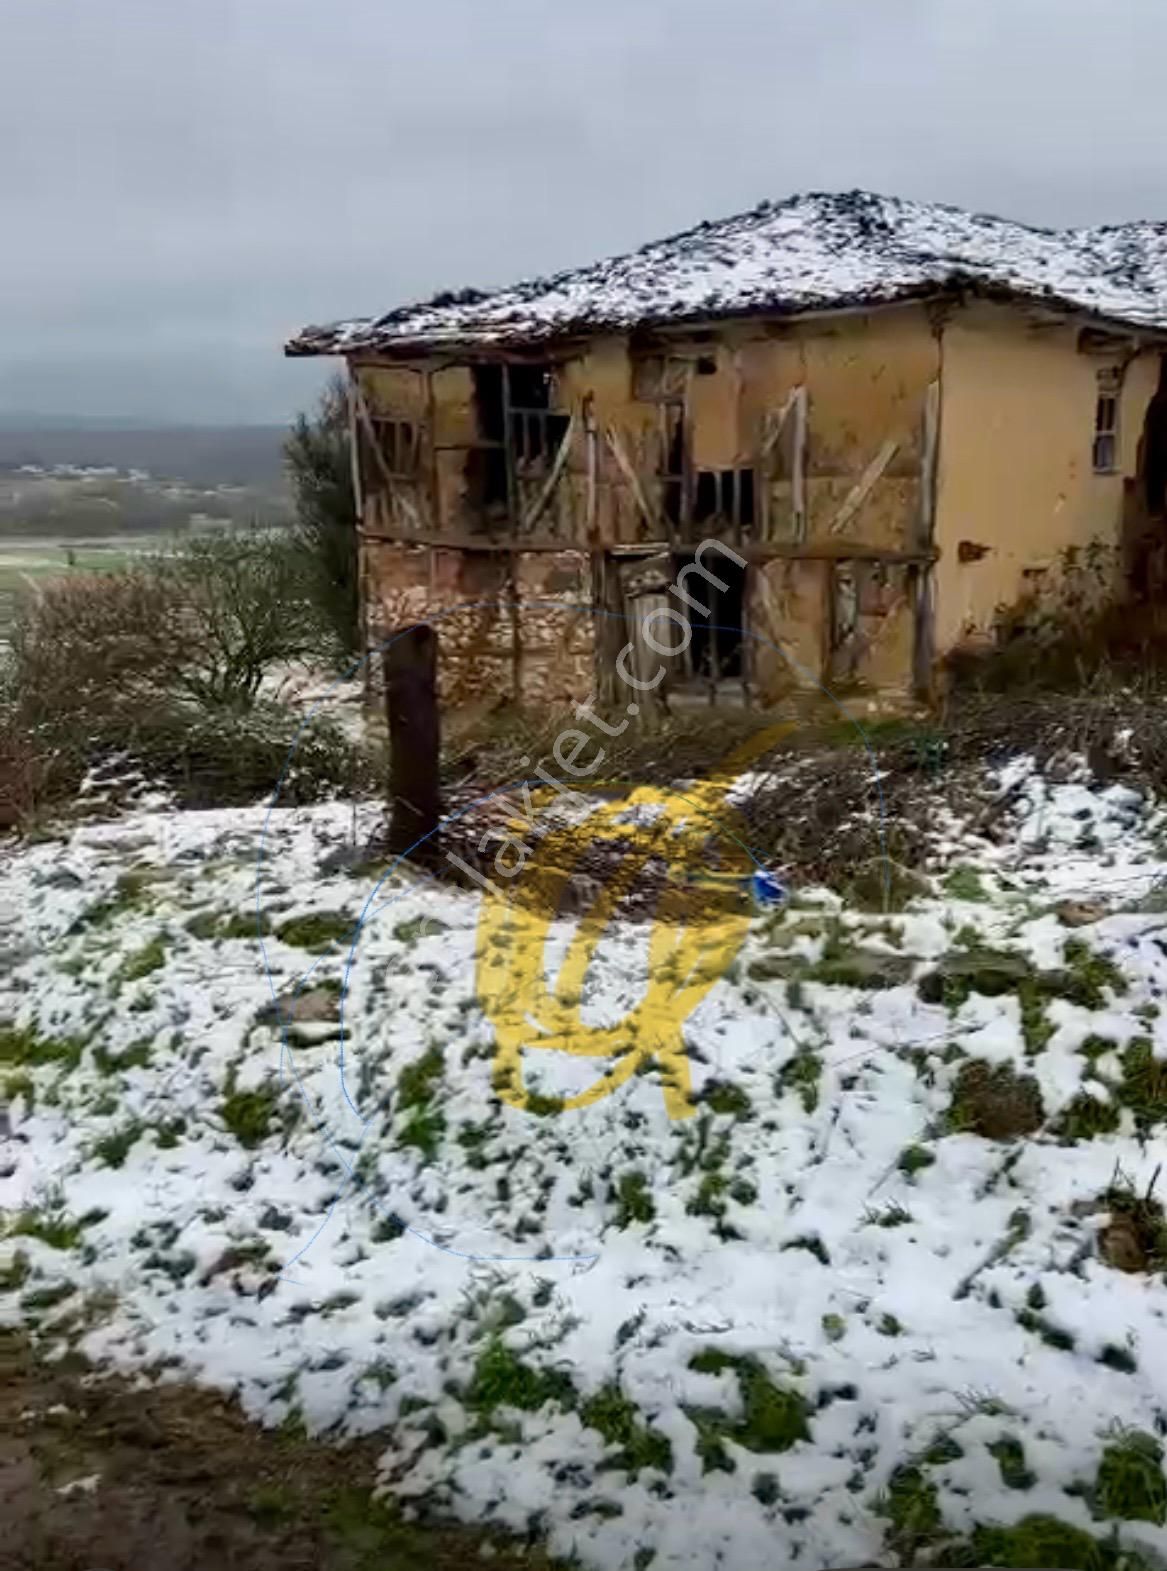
(55, 1229)
(1091, 976)
(272, 1505)
(317, 930)
(990, 972)
(1094, 1047)
(1052, 1335)
(944, 1449)
(47, 1297)
(248, 1116)
(213, 926)
(1144, 1084)
(1130, 1484)
(417, 1081)
(1118, 1358)
(1086, 1117)
(964, 883)
(1044, 1543)
(802, 1074)
(542, 1106)
(867, 970)
(131, 892)
(889, 1325)
(20, 1085)
(914, 1159)
(891, 1215)
(1036, 1026)
(617, 1419)
(765, 1489)
(418, 927)
(14, 1276)
(634, 1203)
(709, 1199)
(151, 957)
(169, 1132)
(501, 1379)
(24, 1047)
(423, 1131)
(834, 1327)
(136, 1056)
(1009, 1455)
(911, 1506)
(727, 1100)
(112, 1149)
(1084, 979)
(773, 1418)
(813, 1245)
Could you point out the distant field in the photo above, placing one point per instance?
(25, 564)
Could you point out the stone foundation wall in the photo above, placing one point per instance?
(536, 645)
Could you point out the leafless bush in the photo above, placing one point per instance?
(161, 665)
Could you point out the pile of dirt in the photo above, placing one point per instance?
(97, 1472)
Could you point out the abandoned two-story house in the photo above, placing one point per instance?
(902, 417)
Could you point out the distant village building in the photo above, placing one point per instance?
(902, 417)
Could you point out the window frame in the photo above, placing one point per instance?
(1104, 449)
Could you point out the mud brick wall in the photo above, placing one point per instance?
(540, 650)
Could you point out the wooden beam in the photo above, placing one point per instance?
(765, 551)
(863, 487)
(624, 465)
(536, 510)
(798, 465)
(928, 456)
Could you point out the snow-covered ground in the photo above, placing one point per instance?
(737, 1338)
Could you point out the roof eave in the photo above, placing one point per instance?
(349, 344)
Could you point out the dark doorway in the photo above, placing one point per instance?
(1155, 448)
(486, 463)
(715, 652)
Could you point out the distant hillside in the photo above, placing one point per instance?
(204, 456)
(86, 481)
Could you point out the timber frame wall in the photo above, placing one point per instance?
(810, 449)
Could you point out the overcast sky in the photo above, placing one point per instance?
(186, 182)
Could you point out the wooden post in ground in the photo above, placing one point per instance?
(410, 664)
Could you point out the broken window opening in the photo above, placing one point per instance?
(397, 442)
(536, 429)
(672, 472)
(389, 451)
(716, 622)
(726, 494)
(1106, 423)
(486, 463)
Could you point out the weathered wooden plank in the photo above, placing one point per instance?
(863, 487)
(930, 448)
(536, 510)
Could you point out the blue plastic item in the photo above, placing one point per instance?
(768, 890)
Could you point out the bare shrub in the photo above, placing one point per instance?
(159, 667)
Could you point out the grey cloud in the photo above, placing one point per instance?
(184, 185)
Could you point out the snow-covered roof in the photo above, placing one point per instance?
(810, 253)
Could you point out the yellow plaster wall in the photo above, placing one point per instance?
(1016, 466)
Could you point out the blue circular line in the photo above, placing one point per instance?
(286, 1049)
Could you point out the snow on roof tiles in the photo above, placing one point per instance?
(810, 253)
